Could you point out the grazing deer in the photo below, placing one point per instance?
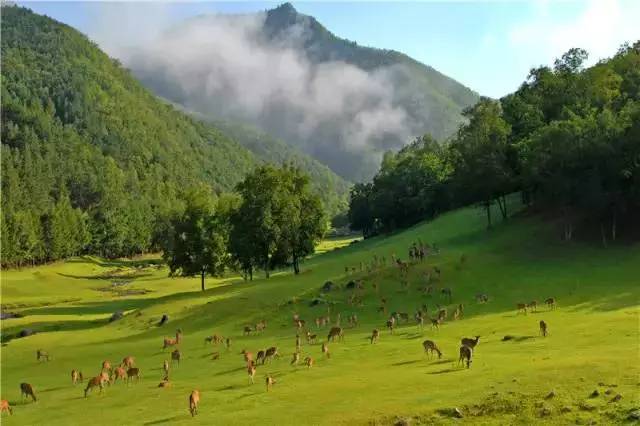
(106, 366)
(269, 381)
(118, 373)
(533, 306)
(260, 357)
(375, 335)
(308, 361)
(430, 347)
(270, 353)
(76, 376)
(128, 362)
(311, 338)
(95, 381)
(296, 358)
(465, 355)
(472, 343)
(335, 332)
(543, 328)
(251, 371)
(133, 372)
(27, 390)
(446, 292)
(4, 406)
(435, 323)
(325, 350)
(42, 355)
(248, 356)
(551, 303)
(165, 383)
(391, 322)
(194, 400)
(165, 368)
(522, 307)
(175, 356)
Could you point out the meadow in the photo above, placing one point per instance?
(593, 341)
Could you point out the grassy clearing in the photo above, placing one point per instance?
(593, 341)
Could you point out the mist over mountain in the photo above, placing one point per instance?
(284, 73)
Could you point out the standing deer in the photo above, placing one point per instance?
(128, 362)
(165, 367)
(325, 350)
(270, 353)
(543, 328)
(133, 372)
(296, 358)
(335, 332)
(95, 381)
(374, 336)
(533, 305)
(118, 373)
(251, 370)
(42, 355)
(269, 381)
(522, 307)
(551, 303)
(308, 361)
(391, 322)
(465, 355)
(470, 342)
(194, 400)
(76, 376)
(176, 356)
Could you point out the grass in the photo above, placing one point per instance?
(593, 341)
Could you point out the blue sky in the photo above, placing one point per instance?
(487, 45)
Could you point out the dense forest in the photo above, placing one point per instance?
(568, 139)
(92, 162)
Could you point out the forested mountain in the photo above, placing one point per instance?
(285, 73)
(91, 160)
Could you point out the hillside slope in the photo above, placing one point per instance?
(591, 344)
(285, 73)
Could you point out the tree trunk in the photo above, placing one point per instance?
(614, 225)
(505, 214)
(604, 236)
(202, 279)
(488, 207)
(296, 265)
(266, 269)
(251, 273)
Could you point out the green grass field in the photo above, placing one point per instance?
(593, 340)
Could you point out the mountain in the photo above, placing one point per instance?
(92, 160)
(285, 73)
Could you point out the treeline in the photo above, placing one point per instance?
(568, 139)
(273, 221)
(92, 163)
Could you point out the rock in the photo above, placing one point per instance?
(586, 406)
(351, 285)
(507, 338)
(565, 409)
(457, 413)
(550, 395)
(327, 287)
(26, 332)
(163, 320)
(634, 414)
(545, 412)
(616, 398)
(594, 394)
(601, 384)
(116, 316)
(608, 392)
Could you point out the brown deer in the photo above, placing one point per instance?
(168, 342)
(335, 332)
(470, 342)
(308, 361)
(42, 355)
(248, 356)
(318, 322)
(430, 347)
(106, 366)
(296, 358)
(375, 335)
(118, 373)
(551, 303)
(311, 338)
(260, 357)
(270, 381)
(93, 382)
(325, 350)
(165, 383)
(442, 314)
(247, 330)
(543, 328)
(465, 355)
(27, 390)
(4, 406)
(435, 323)
(522, 307)
(176, 356)
(271, 353)
(76, 376)
(165, 367)
(391, 322)
(533, 305)
(133, 372)
(194, 400)
(261, 325)
(128, 362)
(251, 371)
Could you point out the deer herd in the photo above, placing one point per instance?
(128, 372)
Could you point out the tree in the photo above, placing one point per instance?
(360, 210)
(197, 245)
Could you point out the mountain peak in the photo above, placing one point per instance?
(285, 8)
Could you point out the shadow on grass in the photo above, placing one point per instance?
(397, 364)
(447, 370)
(129, 263)
(165, 420)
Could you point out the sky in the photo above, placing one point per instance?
(489, 46)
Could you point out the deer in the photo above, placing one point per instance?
(118, 373)
(27, 390)
(465, 355)
(76, 376)
(133, 372)
(176, 356)
(227, 343)
(261, 325)
(164, 383)
(419, 319)
(325, 350)
(442, 314)
(4, 406)
(543, 328)
(435, 323)
(247, 330)
(296, 358)
(271, 353)
(248, 356)
(482, 298)
(402, 316)
(168, 342)
(533, 305)
(318, 322)
(353, 320)
(522, 307)
(472, 343)
(269, 381)
(93, 382)
(551, 303)
(430, 347)
(391, 322)
(297, 343)
(311, 338)
(260, 357)
(128, 362)
(308, 361)
(42, 355)
(375, 335)
(194, 400)
(251, 370)
(335, 332)
(106, 366)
